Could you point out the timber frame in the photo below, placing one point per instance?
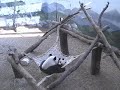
(96, 46)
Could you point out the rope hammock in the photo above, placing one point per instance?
(54, 50)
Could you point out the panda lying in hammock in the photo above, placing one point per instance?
(52, 65)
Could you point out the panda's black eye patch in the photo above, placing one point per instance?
(59, 58)
(63, 59)
(50, 54)
(54, 58)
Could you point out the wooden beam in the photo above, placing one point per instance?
(63, 42)
(77, 36)
(14, 54)
(95, 60)
(31, 48)
(16, 73)
(97, 51)
(102, 37)
(25, 74)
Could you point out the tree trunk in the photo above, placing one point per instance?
(16, 73)
(95, 62)
(25, 74)
(63, 42)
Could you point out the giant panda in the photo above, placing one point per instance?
(52, 65)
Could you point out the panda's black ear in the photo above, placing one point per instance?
(50, 54)
(54, 58)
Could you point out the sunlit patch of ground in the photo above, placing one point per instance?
(21, 32)
(21, 35)
(21, 29)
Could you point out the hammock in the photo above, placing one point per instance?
(54, 50)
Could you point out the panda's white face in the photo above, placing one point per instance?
(61, 61)
(57, 60)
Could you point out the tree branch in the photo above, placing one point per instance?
(77, 36)
(101, 14)
(25, 74)
(102, 36)
(74, 67)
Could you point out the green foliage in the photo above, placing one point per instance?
(43, 16)
(115, 37)
(87, 30)
(112, 37)
(52, 15)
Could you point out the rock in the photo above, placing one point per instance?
(25, 61)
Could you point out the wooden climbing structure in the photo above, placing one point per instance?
(96, 47)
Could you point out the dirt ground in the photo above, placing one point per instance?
(81, 79)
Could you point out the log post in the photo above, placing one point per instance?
(32, 82)
(102, 37)
(16, 73)
(14, 54)
(95, 60)
(21, 70)
(63, 42)
(74, 67)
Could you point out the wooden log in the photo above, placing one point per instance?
(31, 48)
(102, 37)
(77, 36)
(96, 27)
(16, 73)
(74, 67)
(89, 41)
(63, 42)
(48, 79)
(95, 60)
(25, 74)
(77, 32)
(97, 51)
(14, 53)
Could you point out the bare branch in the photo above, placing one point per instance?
(105, 28)
(102, 36)
(77, 36)
(31, 48)
(30, 79)
(96, 27)
(101, 14)
(77, 32)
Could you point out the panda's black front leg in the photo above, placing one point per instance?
(57, 69)
(54, 69)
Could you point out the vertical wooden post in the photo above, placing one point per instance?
(16, 73)
(95, 60)
(63, 42)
